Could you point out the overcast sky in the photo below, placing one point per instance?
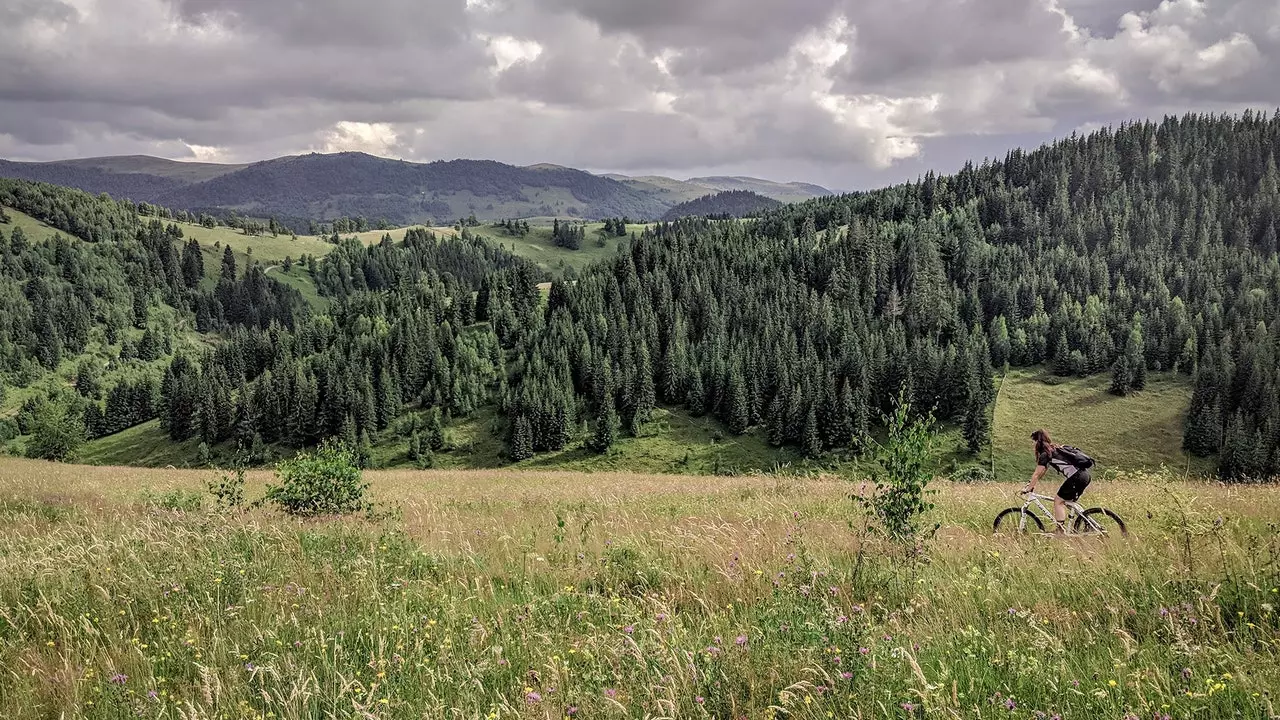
(846, 93)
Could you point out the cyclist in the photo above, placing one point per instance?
(1077, 478)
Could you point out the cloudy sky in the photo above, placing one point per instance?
(848, 93)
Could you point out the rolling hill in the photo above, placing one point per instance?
(726, 204)
(300, 188)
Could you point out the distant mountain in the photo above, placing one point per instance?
(786, 192)
(323, 187)
(727, 204)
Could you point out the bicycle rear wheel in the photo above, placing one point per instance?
(1101, 522)
(1008, 522)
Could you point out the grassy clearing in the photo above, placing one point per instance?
(500, 594)
(538, 247)
(35, 230)
(1140, 431)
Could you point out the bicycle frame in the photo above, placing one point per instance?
(1074, 510)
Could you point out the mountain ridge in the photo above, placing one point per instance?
(324, 186)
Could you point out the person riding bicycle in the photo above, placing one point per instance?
(1070, 462)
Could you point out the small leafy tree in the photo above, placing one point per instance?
(227, 490)
(57, 432)
(901, 492)
(327, 481)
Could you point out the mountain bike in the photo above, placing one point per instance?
(1095, 521)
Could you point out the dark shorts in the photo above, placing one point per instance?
(1074, 486)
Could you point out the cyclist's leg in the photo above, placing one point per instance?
(1071, 490)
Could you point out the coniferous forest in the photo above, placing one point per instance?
(1146, 248)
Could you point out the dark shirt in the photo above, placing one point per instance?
(1057, 462)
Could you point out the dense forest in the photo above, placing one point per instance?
(1149, 247)
(723, 206)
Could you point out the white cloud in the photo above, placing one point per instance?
(507, 51)
(372, 138)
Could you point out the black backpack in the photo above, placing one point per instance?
(1075, 456)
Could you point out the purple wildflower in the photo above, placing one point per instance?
(856, 608)
(532, 697)
(842, 619)
(1075, 683)
(119, 678)
(610, 693)
(846, 675)
(699, 700)
(740, 640)
(908, 707)
(297, 643)
(863, 651)
(1012, 611)
(630, 629)
(834, 590)
(661, 617)
(250, 666)
(1186, 673)
(571, 710)
(1010, 705)
(152, 695)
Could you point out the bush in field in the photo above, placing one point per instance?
(227, 490)
(901, 484)
(327, 481)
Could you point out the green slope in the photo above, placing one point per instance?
(35, 230)
(1142, 431)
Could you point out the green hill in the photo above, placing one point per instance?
(318, 187)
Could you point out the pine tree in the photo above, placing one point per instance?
(812, 437)
(521, 440)
(606, 429)
(738, 415)
(696, 399)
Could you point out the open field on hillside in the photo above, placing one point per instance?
(1143, 430)
(538, 247)
(498, 594)
(35, 230)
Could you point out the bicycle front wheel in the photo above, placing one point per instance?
(1101, 522)
(1010, 522)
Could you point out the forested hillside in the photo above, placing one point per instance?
(723, 206)
(1148, 248)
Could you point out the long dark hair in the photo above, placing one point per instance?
(1044, 444)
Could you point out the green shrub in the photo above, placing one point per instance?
(177, 500)
(227, 490)
(327, 481)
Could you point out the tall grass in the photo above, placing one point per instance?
(551, 595)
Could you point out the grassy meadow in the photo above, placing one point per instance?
(507, 594)
(35, 230)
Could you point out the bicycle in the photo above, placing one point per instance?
(1094, 521)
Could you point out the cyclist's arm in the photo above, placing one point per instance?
(1035, 478)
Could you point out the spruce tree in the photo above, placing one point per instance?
(521, 440)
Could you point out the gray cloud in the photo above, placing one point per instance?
(844, 92)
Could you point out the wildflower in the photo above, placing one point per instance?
(1186, 673)
(740, 640)
(532, 697)
(1012, 611)
(151, 694)
(250, 666)
(1010, 705)
(1164, 612)
(630, 629)
(119, 679)
(908, 707)
(610, 693)
(661, 617)
(863, 651)
(1111, 683)
(699, 700)
(571, 711)
(842, 620)
(834, 590)
(846, 675)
